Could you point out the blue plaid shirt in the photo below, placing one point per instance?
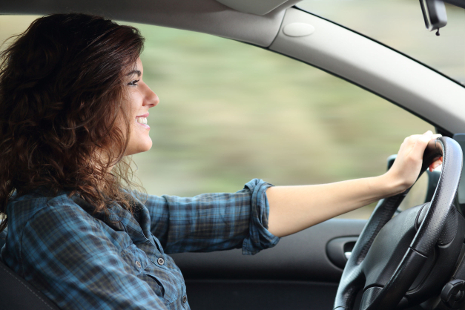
(82, 260)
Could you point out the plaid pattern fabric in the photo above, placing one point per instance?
(86, 260)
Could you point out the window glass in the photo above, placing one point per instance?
(399, 24)
(417, 194)
(230, 112)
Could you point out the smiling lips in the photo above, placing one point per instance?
(142, 120)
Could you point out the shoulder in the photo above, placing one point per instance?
(50, 211)
(57, 223)
(41, 224)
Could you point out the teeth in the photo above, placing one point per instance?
(142, 120)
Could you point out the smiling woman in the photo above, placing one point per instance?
(219, 95)
(56, 132)
(74, 104)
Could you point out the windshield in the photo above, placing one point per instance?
(399, 24)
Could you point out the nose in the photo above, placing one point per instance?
(151, 99)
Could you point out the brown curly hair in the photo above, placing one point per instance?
(61, 98)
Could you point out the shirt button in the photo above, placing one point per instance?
(161, 261)
(184, 299)
(138, 264)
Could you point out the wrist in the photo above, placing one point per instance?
(390, 185)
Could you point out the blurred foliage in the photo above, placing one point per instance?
(230, 112)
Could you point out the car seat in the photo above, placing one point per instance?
(17, 294)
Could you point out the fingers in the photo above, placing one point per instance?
(425, 139)
(414, 146)
(435, 164)
(438, 161)
(408, 163)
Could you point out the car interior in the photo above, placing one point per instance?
(414, 259)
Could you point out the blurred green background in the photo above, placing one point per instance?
(400, 24)
(230, 112)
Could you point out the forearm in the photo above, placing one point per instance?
(294, 208)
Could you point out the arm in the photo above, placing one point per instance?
(213, 222)
(294, 208)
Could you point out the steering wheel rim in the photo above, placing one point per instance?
(388, 297)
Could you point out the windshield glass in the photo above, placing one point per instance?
(399, 24)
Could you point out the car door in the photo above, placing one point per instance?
(295, 274)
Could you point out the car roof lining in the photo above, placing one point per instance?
(258, 7)
(207, 16)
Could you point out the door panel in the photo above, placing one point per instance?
(254, 295)
(295, 274)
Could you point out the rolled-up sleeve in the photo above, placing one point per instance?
(213, 222)
(259, 237)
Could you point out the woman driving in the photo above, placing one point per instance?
(73, 108)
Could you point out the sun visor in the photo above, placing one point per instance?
(257, 7)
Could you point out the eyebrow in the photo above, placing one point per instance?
(134, 72)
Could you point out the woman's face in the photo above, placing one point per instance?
(140, 99)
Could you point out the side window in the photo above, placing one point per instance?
(230, 112)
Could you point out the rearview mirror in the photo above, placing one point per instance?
(434, 14)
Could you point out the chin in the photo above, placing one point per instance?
(143, 147)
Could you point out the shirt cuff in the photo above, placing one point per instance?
(259, 237)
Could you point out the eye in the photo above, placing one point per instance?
(133, 83)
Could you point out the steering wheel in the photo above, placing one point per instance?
(394, 258)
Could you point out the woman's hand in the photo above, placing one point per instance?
(407, 165)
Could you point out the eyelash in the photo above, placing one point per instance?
(133, 83)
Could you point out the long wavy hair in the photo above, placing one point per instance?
(61, 107)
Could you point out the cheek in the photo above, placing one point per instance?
(128, 113)
(134, 101)
(124, 126)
